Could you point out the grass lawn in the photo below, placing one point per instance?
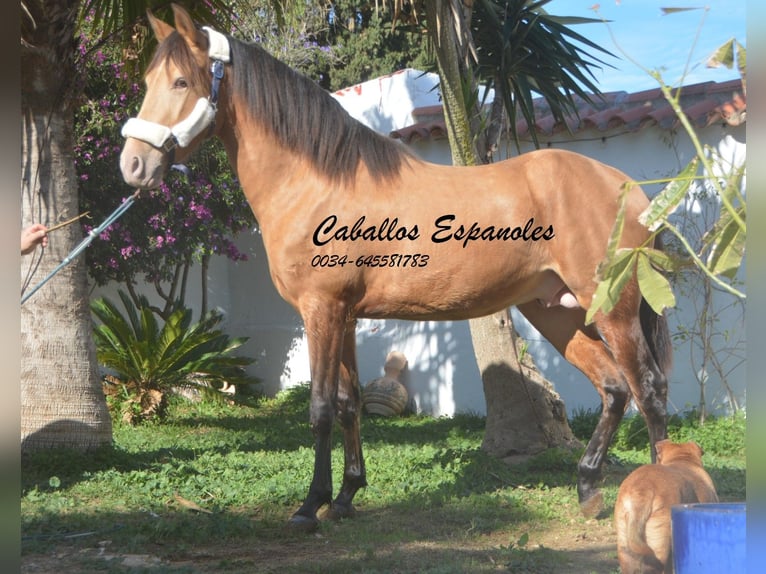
(210, 490)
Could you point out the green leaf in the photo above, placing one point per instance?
(728, 246)
(723, 56)
(616, 275)
(732, 186)
(614, 238)
(665, 202)
(661, 260)
(673, 10)
(654, 286)
(523, 540)
(741, 60)
(599, 301)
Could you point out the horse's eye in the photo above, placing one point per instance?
(180, 83)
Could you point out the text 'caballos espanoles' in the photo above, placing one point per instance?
(446, 228)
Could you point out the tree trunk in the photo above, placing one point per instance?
(454, 74)
(62, 404)
(524, 414)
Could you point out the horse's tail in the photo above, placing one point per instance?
(656, 332)
(657, 335)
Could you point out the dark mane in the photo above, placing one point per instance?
(306, 119)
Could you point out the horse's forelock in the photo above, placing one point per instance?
(174, 49)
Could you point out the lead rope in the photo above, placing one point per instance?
(95, 232)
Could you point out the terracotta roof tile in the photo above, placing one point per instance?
(704, 104)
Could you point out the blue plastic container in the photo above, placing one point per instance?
(709, 538)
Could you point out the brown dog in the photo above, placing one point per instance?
(642, 510)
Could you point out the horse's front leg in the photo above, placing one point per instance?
(348, 408)
(325, 339)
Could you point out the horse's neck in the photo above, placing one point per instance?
(274, 179)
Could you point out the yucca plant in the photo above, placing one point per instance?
(149, 361)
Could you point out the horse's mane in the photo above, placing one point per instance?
(307, 120)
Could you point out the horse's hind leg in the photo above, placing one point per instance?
(641, 346)
(348, 406)
(582, 347)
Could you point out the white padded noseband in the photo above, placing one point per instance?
(180, 134)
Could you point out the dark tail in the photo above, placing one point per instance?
(656, 333)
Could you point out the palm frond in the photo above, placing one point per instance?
(124, 21)
(132, 344)
(535, 53)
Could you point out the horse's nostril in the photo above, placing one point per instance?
(132, 167)
(136, 166)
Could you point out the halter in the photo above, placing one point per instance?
(203, 114)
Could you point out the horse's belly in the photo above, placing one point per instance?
(463, 296)
(434, 300)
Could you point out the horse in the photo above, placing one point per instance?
(356, 226)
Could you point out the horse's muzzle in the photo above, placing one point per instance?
(142, 166)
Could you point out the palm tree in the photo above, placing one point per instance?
(519, 50)
(61, 399)
(62, 403)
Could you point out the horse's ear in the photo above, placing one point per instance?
(189, 32)
(161, 29)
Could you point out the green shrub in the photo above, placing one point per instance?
(632, 434)
(721, 436)
(149, 360)
(584, 421)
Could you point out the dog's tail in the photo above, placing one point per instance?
(633, 551)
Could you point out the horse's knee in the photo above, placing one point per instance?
(321, 417)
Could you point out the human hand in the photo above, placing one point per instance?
(32, 236)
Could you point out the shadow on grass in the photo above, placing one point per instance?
(444, 539)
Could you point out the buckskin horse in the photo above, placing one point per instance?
(355, 225)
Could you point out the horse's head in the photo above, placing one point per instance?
(180, 101)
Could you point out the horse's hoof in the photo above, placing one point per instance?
(302, 523)
(339, 512)
(593, 506)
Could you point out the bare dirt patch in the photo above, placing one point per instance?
(577, 546)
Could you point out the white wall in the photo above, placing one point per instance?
(648, 154)
(443, 377)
